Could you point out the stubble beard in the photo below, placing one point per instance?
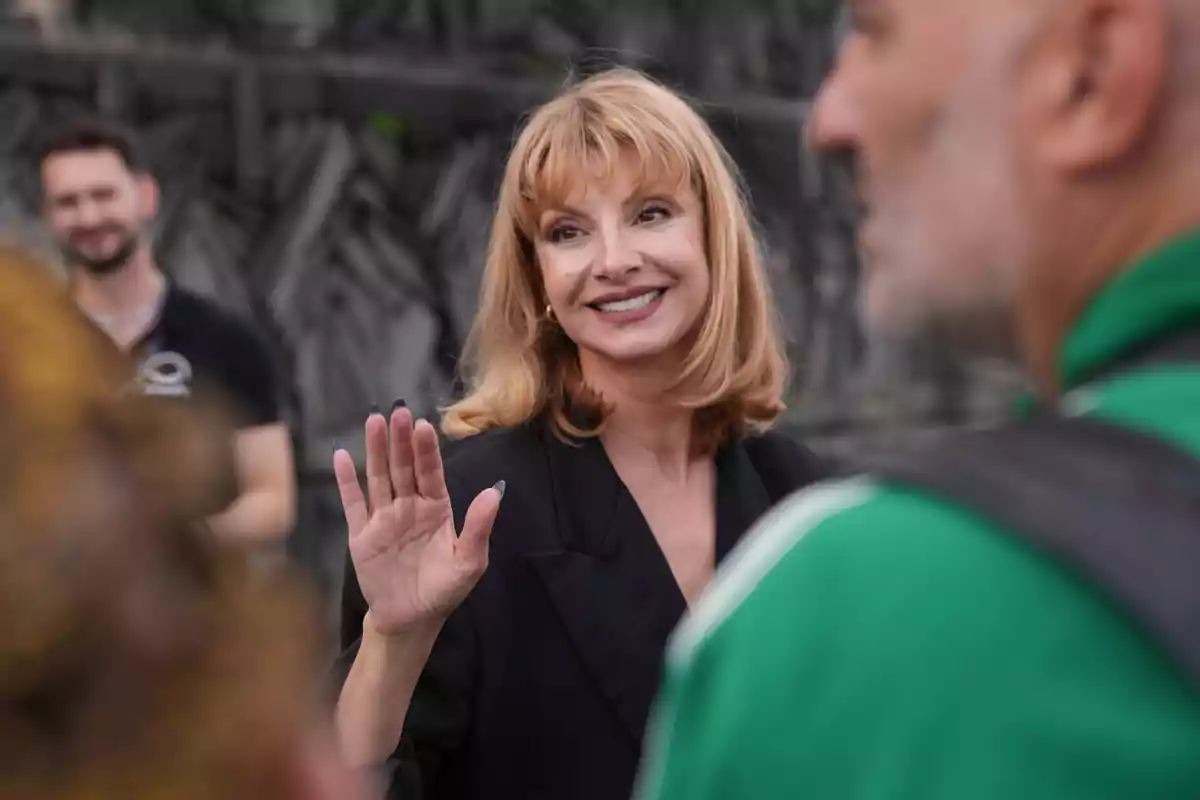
(108, 265)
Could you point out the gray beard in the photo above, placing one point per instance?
(965, 339)
(984, 336)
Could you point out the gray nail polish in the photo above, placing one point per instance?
(499, 487)
(374, 409)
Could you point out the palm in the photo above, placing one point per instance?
(411, 564)
(405, 560)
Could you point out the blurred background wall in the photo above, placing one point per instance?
(328, 168)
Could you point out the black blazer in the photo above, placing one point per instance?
(541, 682)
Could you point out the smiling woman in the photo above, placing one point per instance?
(622, 373)
(621, 243)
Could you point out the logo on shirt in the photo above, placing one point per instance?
(165, 374)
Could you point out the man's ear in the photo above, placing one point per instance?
(148, 196)
(1107, 64)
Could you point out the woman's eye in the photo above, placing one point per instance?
(563, 233)
(653, 213)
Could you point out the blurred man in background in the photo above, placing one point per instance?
(100, 200)
(1030, 177)
(138, 660)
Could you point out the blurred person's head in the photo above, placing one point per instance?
(622, 264)
(1011, 154)
(136, 660)
(98, 196)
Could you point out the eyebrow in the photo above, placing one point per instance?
(638, 196)
(561, 209)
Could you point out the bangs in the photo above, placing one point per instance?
(586, 140)
(520, 365)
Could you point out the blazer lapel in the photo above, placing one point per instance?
(742, 497)
(611, 584)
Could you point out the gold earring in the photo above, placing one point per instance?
(550, 313)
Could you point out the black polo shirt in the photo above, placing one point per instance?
(198, 349)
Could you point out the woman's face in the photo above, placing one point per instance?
(624, 266)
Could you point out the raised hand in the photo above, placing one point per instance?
(412, 567)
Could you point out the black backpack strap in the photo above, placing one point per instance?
(1120, 508)
(1181, 347)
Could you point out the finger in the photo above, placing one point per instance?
(379, 476)
(353, 503)
(400, 454)
(472, 545)
(431, 480)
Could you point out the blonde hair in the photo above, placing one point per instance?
(137, 660)
(519, 365)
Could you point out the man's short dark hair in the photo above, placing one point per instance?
(86, 134)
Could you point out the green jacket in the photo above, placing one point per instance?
(874, 643)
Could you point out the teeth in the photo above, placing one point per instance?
(632, 303)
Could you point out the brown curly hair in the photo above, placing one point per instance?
(137, 660)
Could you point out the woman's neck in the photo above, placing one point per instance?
(643, 424)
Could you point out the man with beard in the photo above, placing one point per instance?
(1031, 185)
(99, 200)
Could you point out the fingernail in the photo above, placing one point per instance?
(336, 445)
(499, 487)
(399, 404)
(374, 409)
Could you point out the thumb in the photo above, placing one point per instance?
(477, 527)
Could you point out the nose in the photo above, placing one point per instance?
(832, 125)
(618, 254)
(88, 214)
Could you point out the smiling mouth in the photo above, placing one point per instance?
(629, 303)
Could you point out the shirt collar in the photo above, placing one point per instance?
(1157, 295)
